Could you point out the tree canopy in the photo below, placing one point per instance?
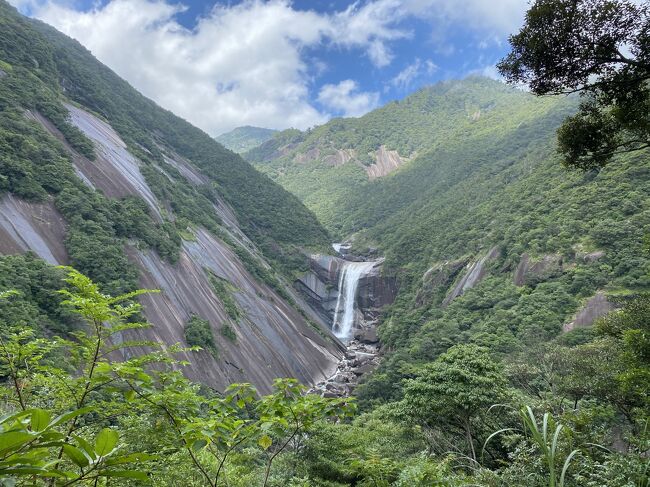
(599, 48)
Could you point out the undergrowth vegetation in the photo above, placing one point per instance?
(464, 419)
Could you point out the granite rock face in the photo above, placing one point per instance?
(386, 161)
(594, 308)
(273, 339)
(320, 287)
(474, 273)
(439, 275)
(530, 271)
(37, 227)
(374, 291)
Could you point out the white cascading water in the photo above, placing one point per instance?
(343, 323)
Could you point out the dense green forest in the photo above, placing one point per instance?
(242, 139)
(450, 119)
(485, 389)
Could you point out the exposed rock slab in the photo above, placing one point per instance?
(595, 308)
(320, 286)
(340, 157)
(474, 273)
(438, 275)
(375, 291)
(530, 270)
(387, 161)
(273, 340)
(115, 171)
(305, 157)
(36, 227)
(188, 171)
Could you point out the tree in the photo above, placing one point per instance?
(456, 389)
(630, 328)
(58, 441)
(600, 48)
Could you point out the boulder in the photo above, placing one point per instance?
(593, 309)
(531, 271)
(342, 378)
(368, 336)
(364, 369)
(593, 256)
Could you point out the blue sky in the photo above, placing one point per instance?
(278, 63)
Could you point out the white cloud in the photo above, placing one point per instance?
(499, 16)
(410, 73)
(489, 71)
(245, 63)
(372, 26)
(239, 65)
(345, 99)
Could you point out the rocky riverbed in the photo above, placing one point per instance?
(362, 357)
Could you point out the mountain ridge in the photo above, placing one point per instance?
(244, 138)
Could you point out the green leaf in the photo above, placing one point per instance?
(129, 395)
(28, 470)
(130, 458)
(13, 439)
(265, 441)
(567, 462)
(127, 474)
(40, 419)
(76, 455)
(199, 445)
(72, 414)
(106, 441)
(86, 446)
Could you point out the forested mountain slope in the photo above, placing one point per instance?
(326, 166)
(492, 240)
(242, 139)
(95, 175)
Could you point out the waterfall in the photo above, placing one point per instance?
(345, 303)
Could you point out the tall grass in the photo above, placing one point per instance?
(547, 437)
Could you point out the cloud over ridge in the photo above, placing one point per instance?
(245, 64)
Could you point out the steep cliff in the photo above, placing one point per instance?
(95, 175)
(322, 286)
